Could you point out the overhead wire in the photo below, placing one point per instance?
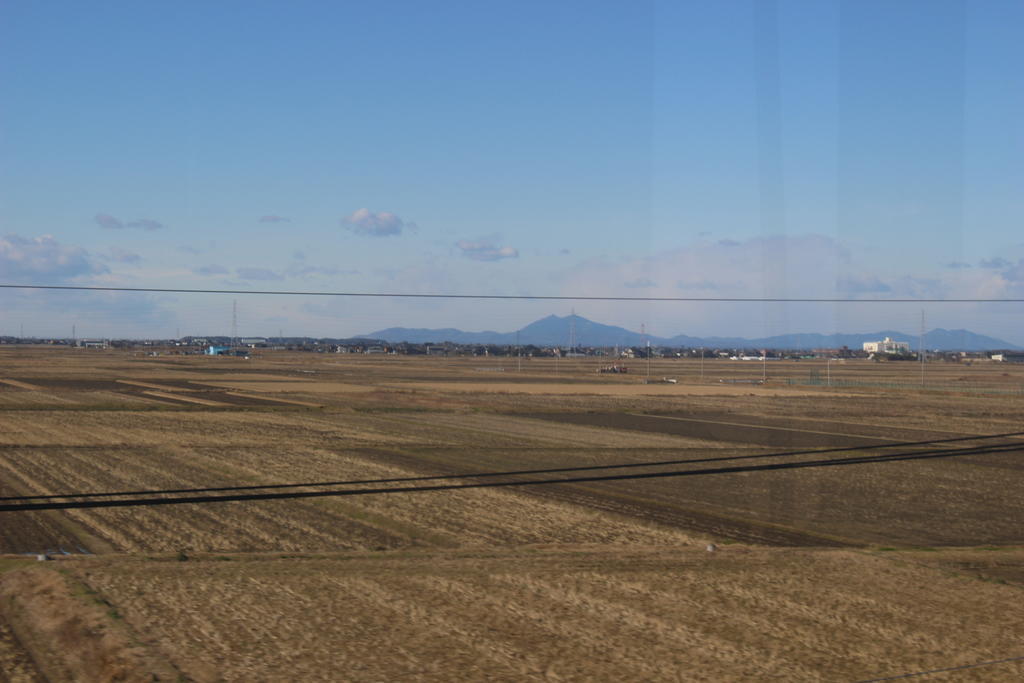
(509, 473)
(285, 495)
(914, 674)
(514, 297)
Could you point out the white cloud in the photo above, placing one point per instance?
(124, 256)
(485, 250)
(303, 271)
(379, 224)
(1015, 273)
(146, 224)
(258, 274)
(212, 269)
(43, 260)
(105, 220)
(805, 266)
(854, 285)
(774, 266)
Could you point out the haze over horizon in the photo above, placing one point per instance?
(773, 148)
(554, 330)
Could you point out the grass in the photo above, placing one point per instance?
(10, 564)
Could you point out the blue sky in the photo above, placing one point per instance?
(860, 149)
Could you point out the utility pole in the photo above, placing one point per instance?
(764, 365)
(572, 331)
(234, 323)
(643, 333)
(920, 347)
(702, 364)
(828, 371)
(519, 354)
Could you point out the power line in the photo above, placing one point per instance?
(514, 297)
(945, 670)
(509, 473)
(286, 495)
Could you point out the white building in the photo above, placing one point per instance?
(253, 342)
(887, 345)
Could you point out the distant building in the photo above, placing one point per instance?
(1008, 357)
(887, 345)
(218, 350)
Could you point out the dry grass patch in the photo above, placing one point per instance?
(16, 665)
(582, 613)
(71, 633)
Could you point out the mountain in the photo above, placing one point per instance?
(549, 331)
(964, 340)
(556, 331)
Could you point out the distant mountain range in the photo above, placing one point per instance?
(555, 331)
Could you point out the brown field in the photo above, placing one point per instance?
(827, 571)
(595, 389)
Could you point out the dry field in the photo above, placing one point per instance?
(826, 571)
(574, 613)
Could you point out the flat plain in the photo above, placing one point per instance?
(555, 521)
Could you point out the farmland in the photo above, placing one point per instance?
(906, 557)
